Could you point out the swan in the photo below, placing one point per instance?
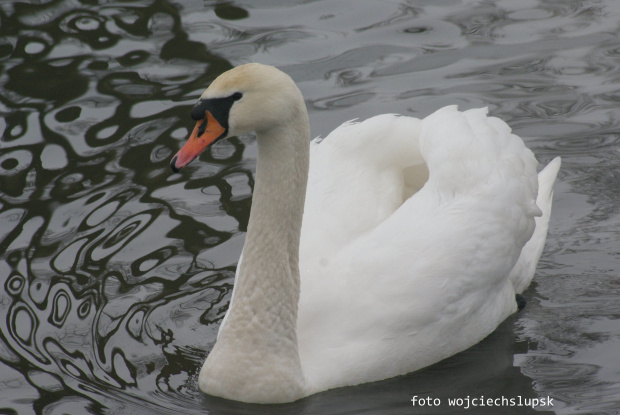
(386, 247)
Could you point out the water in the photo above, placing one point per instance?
(115, 273)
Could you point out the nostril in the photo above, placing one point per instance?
(202, 128)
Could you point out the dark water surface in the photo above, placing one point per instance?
(115, 273)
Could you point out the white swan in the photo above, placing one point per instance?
(416, 236)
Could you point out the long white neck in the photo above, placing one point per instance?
(256, 355)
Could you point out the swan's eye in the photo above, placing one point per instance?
(236, 96)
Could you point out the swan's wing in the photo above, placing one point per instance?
(431, 279)
(523, 271)
(359, 175)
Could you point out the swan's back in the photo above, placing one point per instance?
(359, 175)
(418, 278)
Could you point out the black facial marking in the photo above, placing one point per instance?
(218, 107)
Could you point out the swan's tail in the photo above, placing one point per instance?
(523, 271)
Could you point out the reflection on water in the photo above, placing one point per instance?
(115, 273)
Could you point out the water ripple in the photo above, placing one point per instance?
(115, 274)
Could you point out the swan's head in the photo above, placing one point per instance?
(247, 98)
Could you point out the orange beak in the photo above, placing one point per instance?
(198, 141)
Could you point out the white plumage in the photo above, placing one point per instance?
(422, 277)
(415, 237)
